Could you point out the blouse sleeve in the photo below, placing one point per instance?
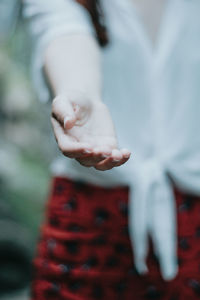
(48, 20)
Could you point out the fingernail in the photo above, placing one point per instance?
(66, 119)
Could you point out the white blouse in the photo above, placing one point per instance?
(153, 94)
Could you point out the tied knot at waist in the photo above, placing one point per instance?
(152, 213)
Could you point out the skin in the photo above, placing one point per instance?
(81, 122)
(86, 133)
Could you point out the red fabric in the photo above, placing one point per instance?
(84, 252)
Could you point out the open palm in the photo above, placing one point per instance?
(84, 130)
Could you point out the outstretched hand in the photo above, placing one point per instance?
(84, 130)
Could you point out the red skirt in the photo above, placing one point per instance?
(84, 251)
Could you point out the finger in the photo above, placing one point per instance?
(69, 146)
(116, 155)
(98, 154)
(103, 150)
(107, 164)
(126, 155)
(63, 112)
(122, 161)
(125, 152)
(91, 160)
(110, 162)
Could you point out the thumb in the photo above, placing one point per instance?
(63, 112)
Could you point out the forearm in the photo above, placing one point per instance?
(72, 63)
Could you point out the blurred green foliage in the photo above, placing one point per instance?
(25, 151)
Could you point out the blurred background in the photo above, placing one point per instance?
(24, 156)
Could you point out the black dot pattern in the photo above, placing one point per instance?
(75, 285)
(101, 216)
(183, 243)
(153, 293)
(71, 204)
(73, 247)
(112, 262)
(84, 251)
(97, 292)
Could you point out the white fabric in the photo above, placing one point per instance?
(49, 20)
(153, 96)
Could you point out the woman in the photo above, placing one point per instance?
(144, 72)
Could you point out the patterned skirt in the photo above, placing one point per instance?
(84, 251)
